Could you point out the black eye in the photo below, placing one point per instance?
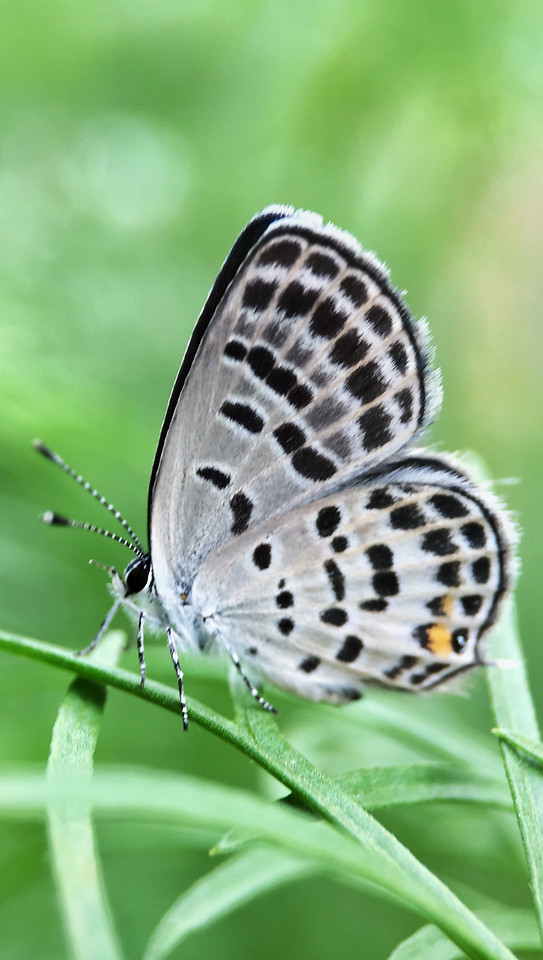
(136, 574)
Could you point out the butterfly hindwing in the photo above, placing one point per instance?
(394, 580)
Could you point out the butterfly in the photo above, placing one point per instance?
(292, 520)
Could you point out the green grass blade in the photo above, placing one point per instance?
(377, 859)
(514, 711)
(517, 928)
(82, 898)
(532, 748)
(385, 862)
(422, 783)
(230, 885)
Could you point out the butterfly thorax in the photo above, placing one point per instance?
(163, 605)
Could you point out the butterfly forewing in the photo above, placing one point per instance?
(394, 581)
(309, 372)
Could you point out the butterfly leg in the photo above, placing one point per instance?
(254, 692)
(179, 675)
(105, 624)
(141, 652)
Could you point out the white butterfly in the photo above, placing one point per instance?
(291, 519)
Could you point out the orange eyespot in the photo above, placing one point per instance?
(439, 640)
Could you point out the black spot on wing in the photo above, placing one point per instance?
(261, 361)
(385, 583)
(349, 694)
(404, 399)
(380, 499)
(313, 465)
(244, 415)
(436, 606)
(350, 650)
(308, 664)
(480, 569)
(475, 534)
(422, 634)
(322, 265)
(241, 508)
(328, 520)
(349, 349)
(335, 578)
(217, 477)
(449, 573)
(447, 505)
(290, 437)
(404, 663)
(375, 605)
(327, 320)
(398, 355)
(471, 604)
(281, 380)
(379, 320)
(334, 616)
(284, 253)
(438, 542)
(459, 639)
(258, 294)
(407, 517)
(286, 626)
(235, 350)
(284, 599)
(297, 300)
(262, 556)
(339, 544)
(380, 556)
(432, 668)
(355, 289)
(375, 426)
(366, 383)
(300, 396)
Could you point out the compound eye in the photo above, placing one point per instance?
(136, 574)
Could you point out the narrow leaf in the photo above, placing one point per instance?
(374, 857)
(422, 783)
(532, 748)
(84, 907)
(514, 711)
(517, 928)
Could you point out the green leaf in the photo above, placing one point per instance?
(377, 859)
(422, 783)
(230, 885)
(517, 928)
(81, 893)
(532, 748)
(514, 711)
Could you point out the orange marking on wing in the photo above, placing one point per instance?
(439, 640)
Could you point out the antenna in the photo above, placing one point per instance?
(55, 519)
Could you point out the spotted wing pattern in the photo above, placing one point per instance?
(305, 370)
(394, 580)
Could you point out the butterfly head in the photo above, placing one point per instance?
(138, 575)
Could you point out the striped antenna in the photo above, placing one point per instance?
(56, 519)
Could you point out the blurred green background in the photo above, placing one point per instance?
(136, 140)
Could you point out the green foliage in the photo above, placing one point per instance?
(137, 140)
(348, 844)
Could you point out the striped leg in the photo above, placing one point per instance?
(254, 692)
(141, 652)
(179, 675)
